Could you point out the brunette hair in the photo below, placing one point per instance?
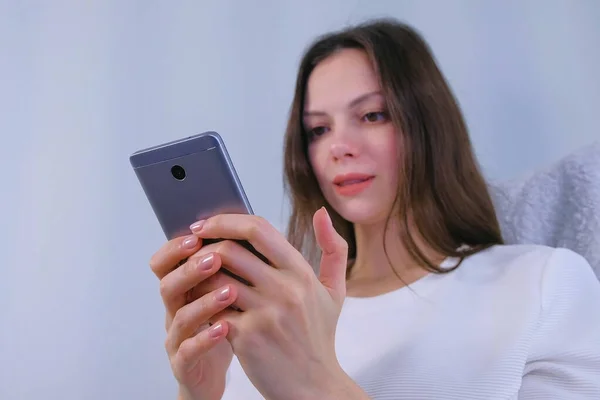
(440, 182)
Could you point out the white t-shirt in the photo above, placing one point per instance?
(512, 322)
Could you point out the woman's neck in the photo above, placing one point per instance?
(378, 269)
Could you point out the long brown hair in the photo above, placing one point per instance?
(440, 182)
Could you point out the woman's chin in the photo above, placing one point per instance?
(362, 214)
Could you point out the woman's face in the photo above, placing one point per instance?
(353, 146)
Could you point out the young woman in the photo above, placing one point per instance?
(415, 296)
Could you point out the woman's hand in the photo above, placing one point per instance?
(284, 333)
(199, 354)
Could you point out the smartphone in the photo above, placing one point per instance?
(190, 179)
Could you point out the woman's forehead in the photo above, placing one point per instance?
(340, 79)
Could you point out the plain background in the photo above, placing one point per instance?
(83, 84)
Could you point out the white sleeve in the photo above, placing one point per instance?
(564, 360)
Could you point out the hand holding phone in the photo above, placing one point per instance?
(185, 181)
(199, 354)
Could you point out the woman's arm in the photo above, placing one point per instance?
(334, 387)
(565, 356)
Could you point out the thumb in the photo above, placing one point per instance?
(334, 258)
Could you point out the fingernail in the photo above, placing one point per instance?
(197, 226)
(223, 294)
(190, 242)
(328, 216)
(216, 330)
(206, 263)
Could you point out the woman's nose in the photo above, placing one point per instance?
(342, 149)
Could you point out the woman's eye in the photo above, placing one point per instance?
(375, 116)
(317, 131)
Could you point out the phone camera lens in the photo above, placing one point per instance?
(178, 172)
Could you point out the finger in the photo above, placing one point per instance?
(241, 262)
(244, 264)
(190, 318)
(171, 254)
(190, 353)
(228, 315)
(253, 229)
(247, 297)
(175, 285)
(334, 258)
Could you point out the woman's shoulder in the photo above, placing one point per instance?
(508, 253)
(531, 256)
(545, 267)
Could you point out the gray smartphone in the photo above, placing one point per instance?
(190, 179)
